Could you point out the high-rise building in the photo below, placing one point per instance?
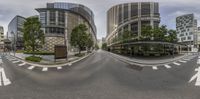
(15, 31)
(131, 16)
(186, 27)
(1, 37)
(58, 19)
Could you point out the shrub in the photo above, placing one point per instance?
(19, 51)
(33, 58)
(39, 53)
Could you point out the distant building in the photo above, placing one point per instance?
(186, 27)
(58, 19)
(1, 37)
(15, 29)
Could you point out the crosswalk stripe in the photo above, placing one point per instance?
(182, 61)
(6, 81)
(155, 68)
(167, 66)
(59, 68)
(69, 64)
(199, 57)
(44, 69)
(176, 63)
(22, 64)
(16, 61)
(31, 67)
(187, 59)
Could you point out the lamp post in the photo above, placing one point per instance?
(14, 46)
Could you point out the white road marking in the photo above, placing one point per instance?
(198, 62)
(69, 64)
(59, 68)
(16, 61)
(186, 59)
(155, 68)
(176, 63)
(31, 67)
(6, 81)
(198, 78)
(196, 69)
(167, 66)
(22, 64)
(182, 61)
(199, 57)
(44, 69)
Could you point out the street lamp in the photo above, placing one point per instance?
(14, 42)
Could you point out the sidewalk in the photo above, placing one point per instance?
(48, 60)
(150, 61)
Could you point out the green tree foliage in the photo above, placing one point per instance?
(33, 35)
(158, 33)
(171, 36)
(80, 38)
(90, 41)
(104, 46)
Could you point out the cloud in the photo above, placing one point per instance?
(169, 10)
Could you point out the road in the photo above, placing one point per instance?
(101, 76)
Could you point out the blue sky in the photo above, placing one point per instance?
(169, 10)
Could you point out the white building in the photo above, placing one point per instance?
(186, 27)
(1, 37)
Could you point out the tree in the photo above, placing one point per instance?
(33, 35)
(126, 35)
(90, 42)
(146, 32)
(171, 37)
(79, 37)
(104, 46)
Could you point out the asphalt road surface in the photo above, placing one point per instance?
(100, 76)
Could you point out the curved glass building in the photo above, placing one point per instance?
(131, 16)
(58, 19)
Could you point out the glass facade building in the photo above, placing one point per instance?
(58, 19)
(15, 30)
(131, 16)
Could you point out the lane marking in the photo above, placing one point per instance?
(58, 68)
(69, 64)
(196, 69)
(186, 59)
(44, 69)
(198, 78)
(198, 62)
(6, 81)
(16, 61)
(22, 64)
(176, 63)
(31, 67)
(167, 66)
(182, 61)
(155, 68)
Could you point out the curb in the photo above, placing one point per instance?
(131, 62)
(60, 65)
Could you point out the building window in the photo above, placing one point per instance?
(145, 9)
(126, 12)
(134, 10)
(134, 28)
(120, 14)
(61, 18)
(52, 17)
(43, 18)
(156, 9)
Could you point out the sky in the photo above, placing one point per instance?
(169, 10)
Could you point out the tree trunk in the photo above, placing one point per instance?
(33, 49)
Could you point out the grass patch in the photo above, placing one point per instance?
(33, 58)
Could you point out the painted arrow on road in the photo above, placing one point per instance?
(197, 75)
(3, 79)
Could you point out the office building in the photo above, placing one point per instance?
(58, 19)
